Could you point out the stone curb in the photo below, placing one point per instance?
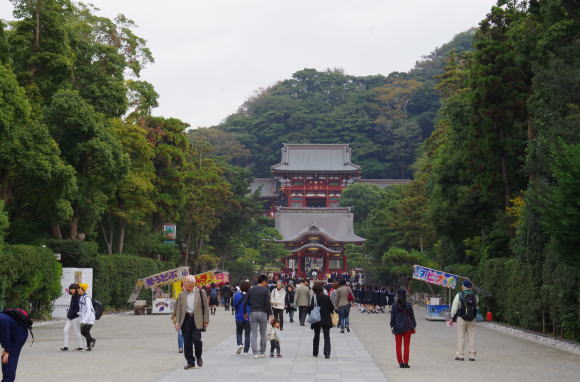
(568, 346)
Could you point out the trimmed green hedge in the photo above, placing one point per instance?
(32, 278)
(115, 276)
(75, 253)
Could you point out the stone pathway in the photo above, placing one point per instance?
(349, 361)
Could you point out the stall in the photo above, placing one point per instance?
(435, 310)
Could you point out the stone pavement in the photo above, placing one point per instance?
(349, 361)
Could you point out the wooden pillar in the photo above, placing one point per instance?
(344, 264)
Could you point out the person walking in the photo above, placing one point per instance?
(213, 298)
(403, 324)
(326, 309)
(72, 319)
(192, 317)
(86, 316)
(302, 300)
(343, 305)
(13, 336)
(242, 322)
(290, 302)
(464, 311)
(226, 292)
(258, 299)
(273, 335)
(278, 301)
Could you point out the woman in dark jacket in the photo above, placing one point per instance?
(325, 323)
(403, 325)
(290, 306)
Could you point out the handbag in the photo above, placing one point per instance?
(334, 319)
(314, 316)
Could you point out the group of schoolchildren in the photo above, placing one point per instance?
(373, 298)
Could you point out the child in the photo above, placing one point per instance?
(87, 315)
(274, 336)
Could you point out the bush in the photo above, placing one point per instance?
(115, 276)
(75, 253)
(32, 278)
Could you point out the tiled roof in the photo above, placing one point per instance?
(268, 187)
(336, 224)
(316, 157)
(382, 183)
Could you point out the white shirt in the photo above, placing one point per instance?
(190, 301)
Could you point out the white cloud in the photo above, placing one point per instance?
(212, 54)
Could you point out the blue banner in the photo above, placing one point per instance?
(433, 276)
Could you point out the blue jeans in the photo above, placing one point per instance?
(343, 313)
(180, 339)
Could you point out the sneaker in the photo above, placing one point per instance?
(64, 348)
(239, 349)
(180, 350)
(88, 349)
(256, 356)
(342, 330)
(459, 359)
(272, 355)
(80, 349)
(189, 367)
(402, 365)
(199, 362)
(348, 329)
(279, 356)
(472, 359)
(245, 353)
(262, 355)
(406, 366)
(93, 342)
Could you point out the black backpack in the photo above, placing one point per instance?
(468, 306)
(98, 308)
(21, 318)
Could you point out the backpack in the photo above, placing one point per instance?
(213, 293)
(98, 308)
(468, 306)
(21, 317)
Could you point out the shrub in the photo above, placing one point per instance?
(32, 278)
(75, 253)
(115, 276)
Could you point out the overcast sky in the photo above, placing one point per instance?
(211, 55)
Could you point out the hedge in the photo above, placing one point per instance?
(115, 276)
(31, 276)
(75, 253)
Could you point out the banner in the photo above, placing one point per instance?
(203, 279)
(432, 276)
(170, 232)
(167, 277)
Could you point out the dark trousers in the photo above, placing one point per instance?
(86, 332)
(243, 326)
(316, 342)
(291, 314)
(406, 338)
(302, 314)
(279, 315)
(274, 345)
(191, 338)
(227, 303)
(19, 337)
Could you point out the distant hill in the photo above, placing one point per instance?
(385, 119)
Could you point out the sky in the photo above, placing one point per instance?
(212, 55)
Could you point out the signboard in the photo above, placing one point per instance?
(432, 276)
(167, 277)
(163, 305)
(205, 278)
(71, 276)
(170, 232)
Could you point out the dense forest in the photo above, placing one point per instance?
(385, 119)
(495, 195)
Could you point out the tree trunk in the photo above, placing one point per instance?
(74, 227)
(37, 26)
(421, 242)
(55, 230)
(121, 242)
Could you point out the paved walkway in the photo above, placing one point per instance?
(349, 361)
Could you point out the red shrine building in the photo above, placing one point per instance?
(304, 198)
